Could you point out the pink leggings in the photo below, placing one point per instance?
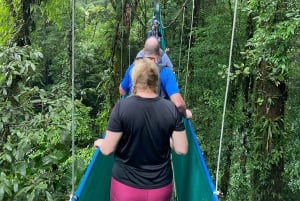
(122, 192)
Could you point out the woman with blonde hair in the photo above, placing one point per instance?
(142, 129)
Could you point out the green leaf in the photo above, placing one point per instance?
(5, 119)
(16, 186)
(19, 154)
(2, 78)
(4, 91)
(8, 157)
(9, 81)
(22, 169)
(246, 71)
(31, 196)
(49, 196)
(8, 146)
(1, 193)
(33, 67)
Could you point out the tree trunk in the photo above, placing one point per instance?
(267, 174)
(21, 37)
(119, 58)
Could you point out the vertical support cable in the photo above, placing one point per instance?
(73, 95)
(226, 94)
(181, 39)
(122, 38)
(129, 48)
(188, 59)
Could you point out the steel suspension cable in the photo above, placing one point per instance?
(189, 48)
(226, 94)
(129, 48)
(122, 38)
(181, 39)
(73, 95)
(176, 16)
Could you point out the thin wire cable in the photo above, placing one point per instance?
(73, 95)
(181, 39)
(226, 93)
(129, 37)
(164, 27)
(176, 16)
(122, 38)
(188, 58)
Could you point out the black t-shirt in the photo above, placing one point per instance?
(142, 157)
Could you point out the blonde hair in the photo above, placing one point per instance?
(145, 75)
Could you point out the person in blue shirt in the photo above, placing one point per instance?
(167, 78)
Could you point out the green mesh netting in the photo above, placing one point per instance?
(95, 184)
(191, 177)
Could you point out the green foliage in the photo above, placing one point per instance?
(239, 182)
(273, 38)
(35, 106)
(292, 164)
(54, 10)
(36, 131)
(35, 153)
(16, 61)
(206, 85)
(6, 22)
(95, 27)
(267, 57)
(17, 68)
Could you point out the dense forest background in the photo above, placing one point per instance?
(260, 146)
